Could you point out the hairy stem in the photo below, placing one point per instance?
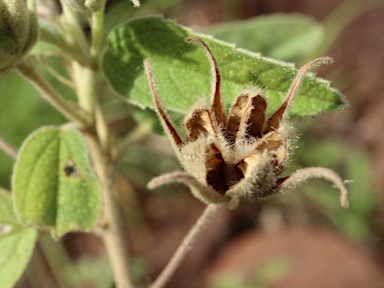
(97, 35)
(100, 151)
(52, 34)
(112, 234)
(59, 77)
(88, 79)
(322, 173)
(28, 70)
(85, 81)
(209, 212)
(75, 34)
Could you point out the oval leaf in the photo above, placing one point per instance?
(16, 243)
(53, 183)
(183, 74)
(287, 37)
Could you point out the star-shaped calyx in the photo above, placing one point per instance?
(239, 156)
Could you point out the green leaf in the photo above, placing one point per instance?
(53, 183)
(16, 243)
(16, 249)
(118, 13)
(287, 37)
(182, 71)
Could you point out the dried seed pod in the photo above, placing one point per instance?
(240, 157)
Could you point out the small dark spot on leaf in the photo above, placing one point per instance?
(70, 169)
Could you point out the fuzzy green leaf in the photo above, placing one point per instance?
(15, 251)
(53, 183)
(287, 37)
(16, 243)
(183, 74)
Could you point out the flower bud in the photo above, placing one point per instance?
(84, 5)
(18, 31)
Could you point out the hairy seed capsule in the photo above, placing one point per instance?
(239, 156)
(18, 31)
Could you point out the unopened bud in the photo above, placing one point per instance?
(18, 31)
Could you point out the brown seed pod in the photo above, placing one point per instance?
(239, 156)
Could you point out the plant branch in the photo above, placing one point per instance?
(88, 80)
(63, 80)
(112, 233)
(75, 34)
(51, 33)
(97, 35)
(8, 149)
(88, 83)
(85, 81)
(28, 70)
(209, 212)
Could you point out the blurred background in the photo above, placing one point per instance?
(300, 239)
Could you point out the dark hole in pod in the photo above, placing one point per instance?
(220, 175)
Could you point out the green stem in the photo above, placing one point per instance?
(51, 33)
(29, 71)
(112, 234)
(97, 35)
(209, 212)
(88, 79)
(85, 81)
(88, 86)
(63, 80)
(102, 131)
(75, 31)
